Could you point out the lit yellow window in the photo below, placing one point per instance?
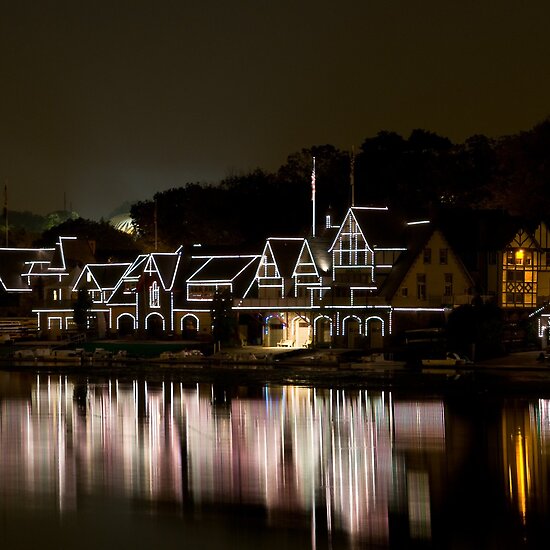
(519, 257)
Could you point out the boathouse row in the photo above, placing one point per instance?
(354, 284)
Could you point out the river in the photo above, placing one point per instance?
(116, 460)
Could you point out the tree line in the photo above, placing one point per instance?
(414, 175)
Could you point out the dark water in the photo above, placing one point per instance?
(138, 464)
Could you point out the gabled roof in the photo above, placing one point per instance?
(379, 227)
(136, 268)
(419, 237)
(104, 276)
(305, 257)
(166, 265)
(286, 252)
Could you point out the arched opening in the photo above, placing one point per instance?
(323, 330)
(126, 324)
(301, 329)
(154, 325)
(189, 326)
(375, 332)
(351, 329)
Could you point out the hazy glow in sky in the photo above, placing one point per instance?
(113, 101)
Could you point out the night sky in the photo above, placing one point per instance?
(111, 101)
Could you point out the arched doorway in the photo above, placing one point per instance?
(323, 330)
(189, 326)
(351, 329)
(126, 324)
(154, 325)
(375, 332)
(302, 332)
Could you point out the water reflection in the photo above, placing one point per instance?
(360, 464)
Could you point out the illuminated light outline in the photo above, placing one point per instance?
(50, 319)
(62, 252)
(296, 275)
(414, 309)
(264, 264)
(315, 324)
(88, 269)
(194, 317)
(151, 271)
(158, 315)
(126, 314)
(375, 317)
(154, 295)
(354, 317)
(325, 306)
(420, 222)
(352, 234)
(295, 328)
(215, 285)
(273, 316)
(216, 282)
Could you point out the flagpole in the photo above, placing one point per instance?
(313, 198)
(156, 226)
(6, 211)
(352, 176)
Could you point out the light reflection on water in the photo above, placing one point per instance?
(364, 467)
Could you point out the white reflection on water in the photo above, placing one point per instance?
(342, 461)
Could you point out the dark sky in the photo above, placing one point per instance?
(113, 100)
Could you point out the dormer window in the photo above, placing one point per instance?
(154, 295)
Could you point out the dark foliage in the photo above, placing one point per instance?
(81, 308)
(476, 330)
(111, 244)
(224, 322)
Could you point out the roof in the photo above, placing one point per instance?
(106, 276)
(222, 268)
(17, 262)
(380, 228)
(71, 252)
(286, 253)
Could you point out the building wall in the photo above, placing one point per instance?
(435, 278)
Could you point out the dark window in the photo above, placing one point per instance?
(427, 255)
(448, 284)
(443, 253)
(421, 286)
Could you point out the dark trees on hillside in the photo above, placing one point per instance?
(110, 243)
(419, 174)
